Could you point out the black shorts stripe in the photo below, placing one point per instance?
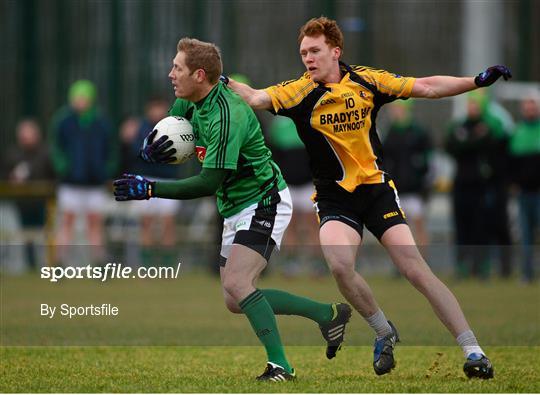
(222, 261)
(258, 242)
(265, 213)
(259, 235)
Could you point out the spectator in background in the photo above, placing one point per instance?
(123, 223)
(497, 222)
(158, 216)
(407, 150)
(84, 159)
(128, 137)
(525, 165)
(29, 159)
(29, 162)
(475, 144)
(289, 153)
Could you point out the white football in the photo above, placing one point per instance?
(180, 132)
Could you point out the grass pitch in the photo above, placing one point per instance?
(232, 369)
(176, 336)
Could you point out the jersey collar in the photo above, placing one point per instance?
(208, 99)
(345, 71)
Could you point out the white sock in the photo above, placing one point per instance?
(469, 344)
(379, 324)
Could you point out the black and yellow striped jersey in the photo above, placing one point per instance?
(336, 121)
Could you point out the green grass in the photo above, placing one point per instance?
(176, 336)
(232, 369)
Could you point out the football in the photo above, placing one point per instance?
(180, 132)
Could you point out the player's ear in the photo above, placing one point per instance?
(336, 52)
(200, 75)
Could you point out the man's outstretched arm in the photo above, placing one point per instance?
(443, 86)
(136, 187)
(257, 99)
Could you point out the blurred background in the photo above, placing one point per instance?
(115, 56)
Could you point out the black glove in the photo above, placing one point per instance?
(492, 74)
(156, 151)
(224, 79)
(133, 187)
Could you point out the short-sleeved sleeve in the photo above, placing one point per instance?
(389, 84)
(223, 148)
(289, 94)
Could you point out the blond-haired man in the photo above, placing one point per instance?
(252, 196)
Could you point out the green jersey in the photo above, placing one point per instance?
(228, 136)
(526, 139)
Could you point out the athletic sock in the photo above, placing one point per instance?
(469, 344)
(379, 324)
(263, 321)
(285, 303)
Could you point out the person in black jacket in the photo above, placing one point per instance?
(83, 148)
(407, 151)
(28, 162)
(524, 149)
(474, 145)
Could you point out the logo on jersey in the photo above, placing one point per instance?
(201, 153)
(328, 101)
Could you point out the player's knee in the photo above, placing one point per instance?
(234, 286)
(232, 305)
(418, 274)
(341, 268)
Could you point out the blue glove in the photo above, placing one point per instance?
(224, 79)
(133, 187)
(492, 74)
(156, 151)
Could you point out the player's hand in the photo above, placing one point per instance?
(133, 187)
(156, 151)
(492, 74)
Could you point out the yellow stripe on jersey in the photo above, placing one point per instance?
(386, 82)
(336, 121)
(289, 94)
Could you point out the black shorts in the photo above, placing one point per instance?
(374, 205)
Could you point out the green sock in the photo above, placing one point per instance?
(285, 303)
(262, 320)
